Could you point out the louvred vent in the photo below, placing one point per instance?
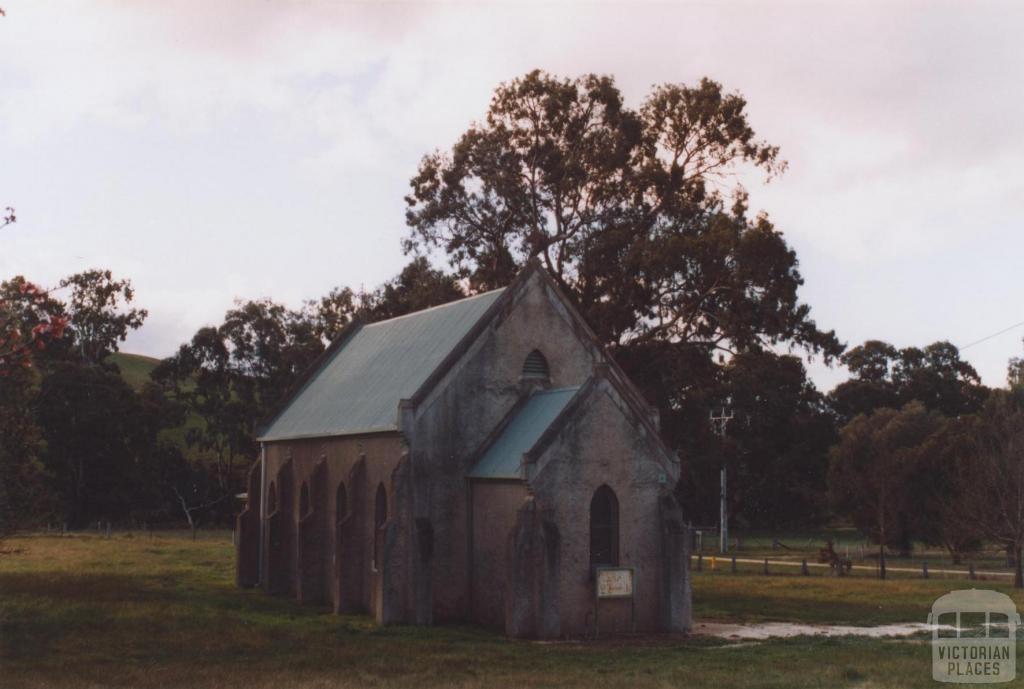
(536, 366)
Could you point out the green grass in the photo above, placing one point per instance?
(162, 611)
(749, 596)
(135, 368)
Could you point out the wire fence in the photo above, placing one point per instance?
(725, 563)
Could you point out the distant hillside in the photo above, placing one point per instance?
(135, 368)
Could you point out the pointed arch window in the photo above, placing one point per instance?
(340, 503)
(604, 528)
(304, 500)
(380, 517)
(272, 498)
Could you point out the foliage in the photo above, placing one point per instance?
(30, 320)
(418, 286)
(773, 449)
(233, 376)
(883, 376)
(871, 466)
(1015, 372)
(636, 213)
(98, 433)
(626, 209)
(24, 493)
(936, 487)
(74, 434)
(991, 485)
(98, 306)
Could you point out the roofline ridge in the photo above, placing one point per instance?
(555, 427)
(435, 307)
(474, 332)
(600, 373)
(306, 377)
(478, 453)
(324, 358)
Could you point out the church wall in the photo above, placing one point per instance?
(449, 426)
(603, 444)
(495, 504)
(381, 454)
(437, 540)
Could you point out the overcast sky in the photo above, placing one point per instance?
(220, 150)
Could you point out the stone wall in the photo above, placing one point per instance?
(247, 537)
(495, 508)
(448, 427)
(604, 443)
(324, 556)
(527, 553)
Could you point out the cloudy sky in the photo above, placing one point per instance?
(220, 150)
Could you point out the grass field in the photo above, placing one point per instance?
(162, 611)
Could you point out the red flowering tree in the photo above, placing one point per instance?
(30, 320)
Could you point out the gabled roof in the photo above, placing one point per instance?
(504, 454)
(358, 385)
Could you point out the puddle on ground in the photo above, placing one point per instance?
(785, 630)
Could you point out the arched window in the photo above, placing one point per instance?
(536, 367)
(340, 503)
(380, 515)
(604, 528)
(272, 498)
(304, 500)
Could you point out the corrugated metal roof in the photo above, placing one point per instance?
(504, 457)
(358, 388)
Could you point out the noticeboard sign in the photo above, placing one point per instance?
(615, 582)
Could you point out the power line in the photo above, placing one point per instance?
(989, 337)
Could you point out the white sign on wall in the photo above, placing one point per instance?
(614, 582)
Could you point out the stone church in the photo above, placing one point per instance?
(476, 462)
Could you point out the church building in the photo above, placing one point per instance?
(484, 461)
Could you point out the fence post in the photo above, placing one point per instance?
(924, 570)
(733, 568)
(970, 572)
(108, 529)
(700, 562)
(766, 566)
(803, 568)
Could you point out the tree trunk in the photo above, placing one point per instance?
(881, 561)
(188, 513)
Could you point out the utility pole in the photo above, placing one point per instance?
(718, 424)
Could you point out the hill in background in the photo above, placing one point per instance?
(135, 368)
